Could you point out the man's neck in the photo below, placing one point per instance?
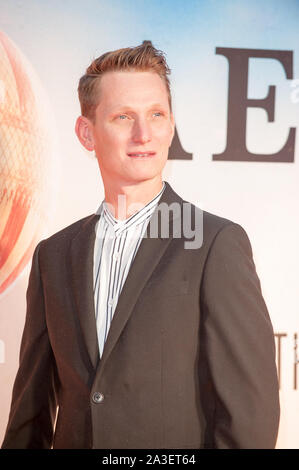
(126, 199)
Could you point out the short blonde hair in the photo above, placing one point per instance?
(141, 58)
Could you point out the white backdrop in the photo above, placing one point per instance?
(59, 39)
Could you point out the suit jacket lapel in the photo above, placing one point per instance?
(149, 253)
(147, 258)
(81, 266)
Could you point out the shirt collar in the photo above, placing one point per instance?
(135, 219)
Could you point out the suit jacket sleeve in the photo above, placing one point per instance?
(239, 346)
(33, 407)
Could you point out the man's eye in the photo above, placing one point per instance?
(158, 113)
(122, 116)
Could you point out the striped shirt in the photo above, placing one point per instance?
(116, 245)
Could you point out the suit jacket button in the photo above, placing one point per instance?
(97, 397)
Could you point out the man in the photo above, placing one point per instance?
(141, 341)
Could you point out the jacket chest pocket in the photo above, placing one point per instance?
(168, 289)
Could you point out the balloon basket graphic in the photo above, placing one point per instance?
(28, 162)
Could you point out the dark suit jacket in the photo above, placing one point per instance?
(189, 361)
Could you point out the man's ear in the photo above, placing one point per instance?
(173, 127)
(84, 133)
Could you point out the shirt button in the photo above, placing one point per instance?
(116, 256)
(97, 397)
(110, 302)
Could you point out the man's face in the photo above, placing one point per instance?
(133, 118)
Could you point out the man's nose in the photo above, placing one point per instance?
(141, 131)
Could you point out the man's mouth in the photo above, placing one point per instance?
(141, 154)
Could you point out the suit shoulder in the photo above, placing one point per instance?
(212, 223)
(223, 228)
(226, 235)
(214, 227)
(215, 222)
(66, 233)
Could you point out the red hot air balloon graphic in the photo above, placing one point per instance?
(27, 157)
